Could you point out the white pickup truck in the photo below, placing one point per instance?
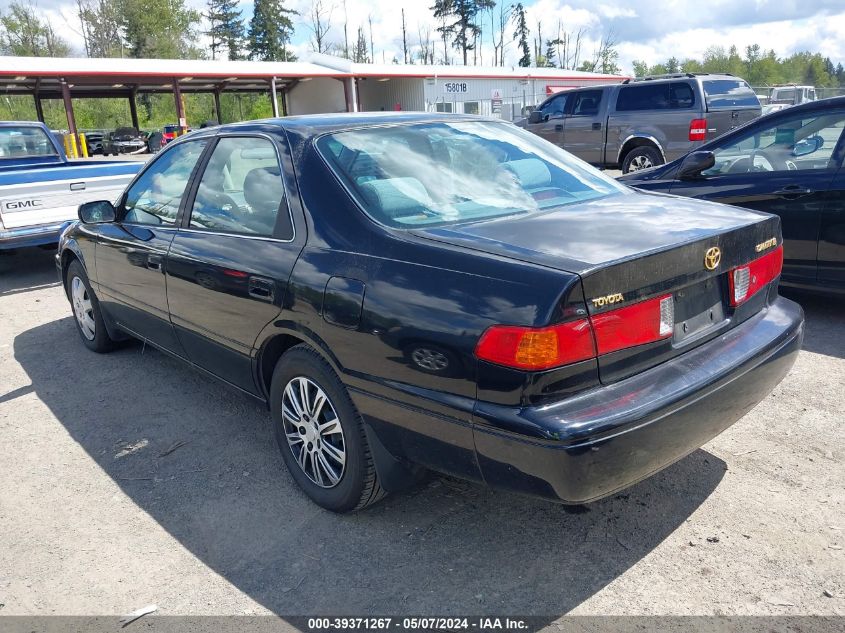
(40, 189)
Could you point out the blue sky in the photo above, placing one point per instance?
(652, 30)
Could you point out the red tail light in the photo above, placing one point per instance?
(637, 324)
(745, 281)
(698, 129)
(535, 349)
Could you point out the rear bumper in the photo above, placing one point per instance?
(31, 235)
(608, 438)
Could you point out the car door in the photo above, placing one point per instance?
(583, 128)
(769, 168)
(832, 235)
(229, 262)
(130, 253)
(551, 127)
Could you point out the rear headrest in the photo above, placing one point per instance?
(395, 197)
(263, 189)
(530, 172)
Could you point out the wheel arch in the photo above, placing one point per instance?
(639, 140)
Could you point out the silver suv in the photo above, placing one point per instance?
(646, 121)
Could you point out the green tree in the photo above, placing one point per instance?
(23, 33)
(270, 31)
(640, 68)
(101, 24)
(465, 27)
(226, 28)
(163, 29)
(521, 33)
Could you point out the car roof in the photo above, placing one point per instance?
(310, 125)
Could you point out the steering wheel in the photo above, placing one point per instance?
(772, 161)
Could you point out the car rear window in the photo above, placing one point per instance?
(660, 96)
(729, 93)
(440, 173)
(24, 141)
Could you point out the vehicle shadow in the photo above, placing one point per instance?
(27, 269)
(825, 322)
(211, 475)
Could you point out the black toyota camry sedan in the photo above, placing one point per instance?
(788, 163)
(411, 291)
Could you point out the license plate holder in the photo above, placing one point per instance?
(698, 309)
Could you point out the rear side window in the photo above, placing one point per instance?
(729, 93)
(24, 142)
(586, 103)
(660, 96)
(241, 189)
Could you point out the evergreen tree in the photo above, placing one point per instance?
(226, 29)
(360, 52)
(465, 28)
(549, 57)
(270, 31)
(521, 33)
(163, 29)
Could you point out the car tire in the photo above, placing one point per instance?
(642, 157)
(340, 486)
(87, 314)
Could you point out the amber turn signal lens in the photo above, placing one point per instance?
(536, 349)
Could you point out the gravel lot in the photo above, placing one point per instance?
(96, 517)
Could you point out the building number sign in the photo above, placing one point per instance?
(455, 87)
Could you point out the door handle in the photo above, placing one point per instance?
(77, 186)
(597, 126)
(260, 288)
(559, 127)
(154, 262)
(792, 192)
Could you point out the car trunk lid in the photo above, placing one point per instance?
(632, 247)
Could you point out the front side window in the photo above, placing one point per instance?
(157, 194)
(586, 103)
(241, 188)
(796, 143)
(554, 107)
(24, 141)
(429, 174)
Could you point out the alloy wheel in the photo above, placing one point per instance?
(313, 431)
(82, 308)
(640, 162)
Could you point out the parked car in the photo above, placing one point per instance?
(170, 132)
(788, 163)
(124, 140)
(94, 141)
(646, 121)
(40, 189)
(328, 265)
(774, 107)
(155, 141)
(792, 95)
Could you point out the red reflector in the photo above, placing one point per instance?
(637, 324)
(697, 129)
(745, 281)
(534, 349)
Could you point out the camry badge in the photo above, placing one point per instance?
(712, 258)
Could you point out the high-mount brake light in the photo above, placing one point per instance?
(745, 281)
(535, 349)
(698, 129)
(637, 324)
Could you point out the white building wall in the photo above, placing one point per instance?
(375, 95)
(318, 96)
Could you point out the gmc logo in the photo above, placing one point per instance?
(23, 204)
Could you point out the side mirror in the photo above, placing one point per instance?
(535, 117)
(695, 163)
(97, 212)
(808, 145)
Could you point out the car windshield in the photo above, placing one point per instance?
(24, 141)
(427, 174)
